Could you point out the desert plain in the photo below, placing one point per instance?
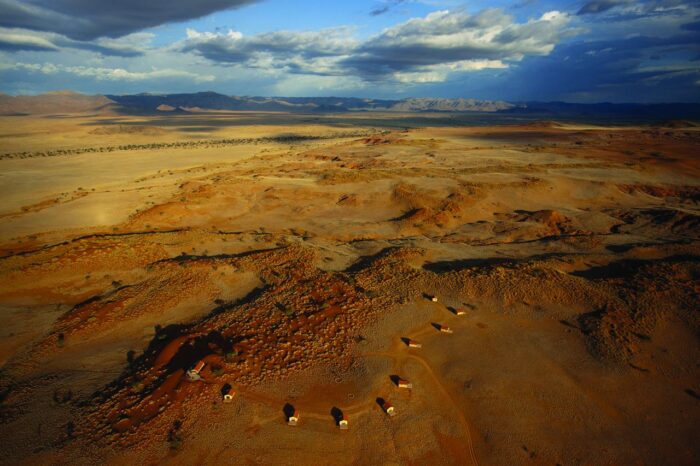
(296, 256)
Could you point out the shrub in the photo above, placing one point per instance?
(136, 385)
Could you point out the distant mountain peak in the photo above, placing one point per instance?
(423, 104)
(53, 103)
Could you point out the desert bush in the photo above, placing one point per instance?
(62, 396)
(136, 384)
(175, 437)
(286, 310)
(70, 429)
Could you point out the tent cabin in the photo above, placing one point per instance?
(197, 368)
(193, 373)
(389, 408)
(414, 344)
(403, 383)
(293, 420)
(445, 329)
(228, 393)
(343, 423)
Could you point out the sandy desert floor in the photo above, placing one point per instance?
(296, 256)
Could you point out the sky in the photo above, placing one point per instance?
(514, 50)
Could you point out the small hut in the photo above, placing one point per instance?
(403, 383)
(460, 311)
(414, 344)
(389, 408)
(433, 298)
(194, 372)
(343, 423)
(293, 420)
(228, 393)
(444, 329)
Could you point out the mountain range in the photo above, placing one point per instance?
(146, 103)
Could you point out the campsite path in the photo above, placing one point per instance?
(398, 356)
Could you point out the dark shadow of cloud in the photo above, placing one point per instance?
(89, 19)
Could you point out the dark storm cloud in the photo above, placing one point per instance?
(89, 19)
(643, 68)
(694, 26)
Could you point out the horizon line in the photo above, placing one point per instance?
(71, 91)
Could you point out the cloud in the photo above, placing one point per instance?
(385, 7)
(440, 73)
(425, 49)
(444, 37)
(106, 74)
(379, 10)
(311, 52)
(233, 47)
(89, 19)
(640, 68)
(16, 40)
(630, 9)
(132, 45)
(601, 50)
(634, 50)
